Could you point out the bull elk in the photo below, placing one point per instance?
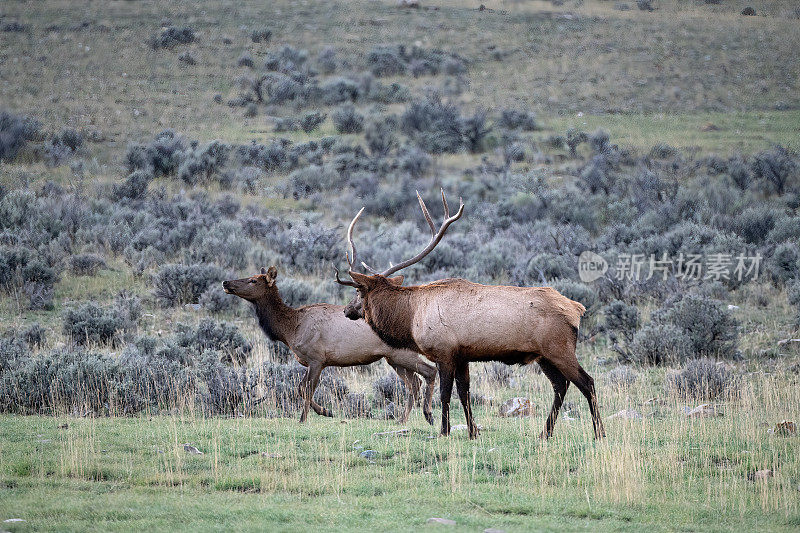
(454, 322)
(319, 335)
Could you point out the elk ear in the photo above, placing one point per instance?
(396, 281)
(272, 275)
(263, 270)
(360, 279)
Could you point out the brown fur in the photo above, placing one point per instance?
(320, 335)
(453, 322)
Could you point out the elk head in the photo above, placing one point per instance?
(366, 284)
(254, 287)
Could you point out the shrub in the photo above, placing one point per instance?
(598, 175)
(786, 229)
(311, 121)
(739, 173)
(221, 337)
(261, 35)
(660, 343)
(777, 169)
(599, 141)
(575, 138)
(246, 60)
(86, 264)
(201, 163)
(326, 60)
(92, 324)
(621, 317)
(187, 58)
(162, 156)
(514, 119)
(61, 379)
(347, 120)
(171, 37)
(288, 59)
(355, 405)
(580, 292)
(176, 284)
(15, 132)
(622, 376)
(645, 5)
(474, 129)
(386, 61)
(784, 264)
(433, 125)
(710, 326)
(34, 335)
(380, 135)
(338, 91)
(389, 388)
(215, 300)
(296, 293)
(754, 224)
(313, 179)
(414, 161)
(13, 351)
(134, 187)
(702, 379)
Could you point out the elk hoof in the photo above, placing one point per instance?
(429, 417)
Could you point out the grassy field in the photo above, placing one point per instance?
(663, 472)
(696, 76)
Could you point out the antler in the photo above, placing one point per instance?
(344, 281)
(436, 236)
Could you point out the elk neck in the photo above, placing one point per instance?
(277, 320)
(389, 310)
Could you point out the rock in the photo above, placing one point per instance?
(408, 3)
(271, 455)
(705, 410)
(493, 530)
(710, 126)
(462, 427)
(13, 520)
(516, 407)
(748, 12)
(627, 414)
(64, 426)
(785, 428)
(368, 454)
(396, 433)
(191, 449)
(762, 475)
(193, 307)
(442, 521)
(731, 307)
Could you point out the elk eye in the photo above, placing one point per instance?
(252, 281)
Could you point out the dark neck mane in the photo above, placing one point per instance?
(276, 319)
(392, 319)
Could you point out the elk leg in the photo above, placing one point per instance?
(560, 386)
(307, 387)
(319, 409)
(586, 386)
(412, 386)
(462, 384)
(445, 391)
(429, 374)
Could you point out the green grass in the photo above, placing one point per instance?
(743, 132)
(664, 472)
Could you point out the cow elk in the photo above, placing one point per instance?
(454, 322)
(319, 335)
